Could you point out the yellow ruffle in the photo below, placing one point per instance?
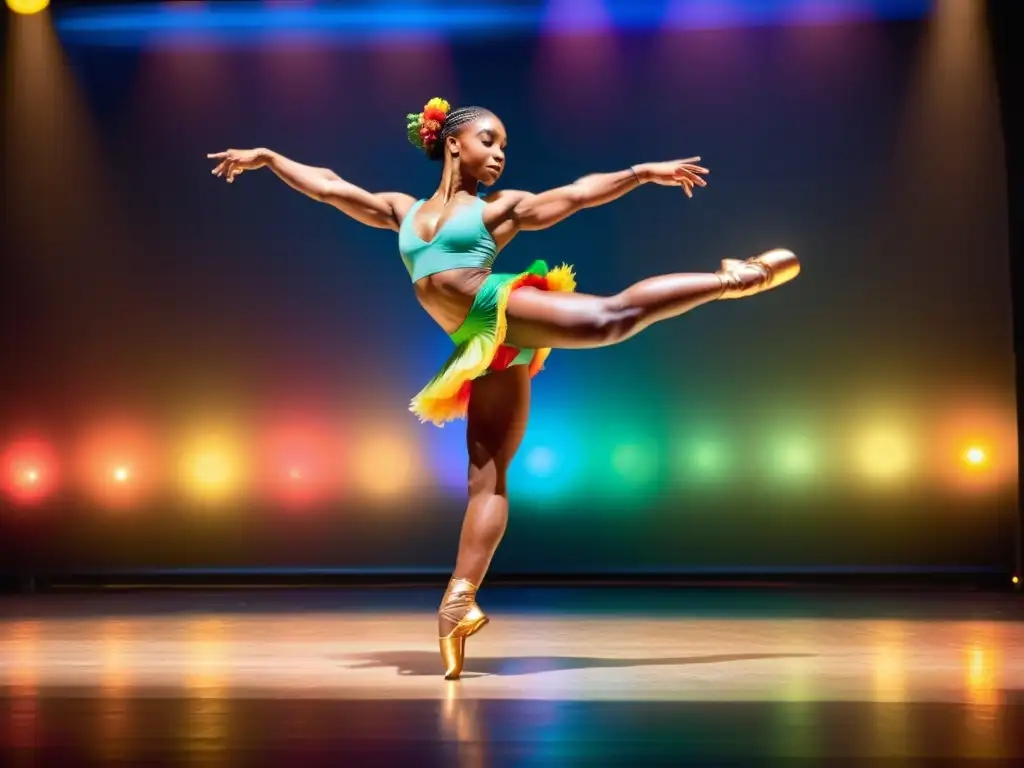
(446, 398)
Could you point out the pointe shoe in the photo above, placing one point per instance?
(756, 275)
(459, 606)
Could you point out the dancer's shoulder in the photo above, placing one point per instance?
(504, 197)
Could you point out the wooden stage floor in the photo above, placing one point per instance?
(560, 677)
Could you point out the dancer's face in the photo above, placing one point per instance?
(480, 146)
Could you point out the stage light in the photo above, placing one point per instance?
(386, 466)
(883, 452)
(550, 457)
(28, 471)
(541, 462)
(212, 466)
(116, 463)
(635, 463)
(975, 456)
(27, 7)
(701, 459)
(794, 458)
(625, 460)
(707, 457)
(981, 443)
(1015, 580)
(299, 463)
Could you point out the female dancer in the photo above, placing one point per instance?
(503, 325)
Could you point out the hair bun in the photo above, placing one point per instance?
(423, 129)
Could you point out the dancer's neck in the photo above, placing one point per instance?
(454, 181)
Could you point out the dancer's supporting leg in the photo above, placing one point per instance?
(498, 409)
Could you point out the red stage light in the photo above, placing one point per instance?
(299, 463)
(116, 463)
(28, 471)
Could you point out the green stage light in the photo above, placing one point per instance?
(635, 463)
(793, 457)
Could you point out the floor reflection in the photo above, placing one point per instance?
(113, 686)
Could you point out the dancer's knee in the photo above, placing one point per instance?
(487, 480)
(612, 320)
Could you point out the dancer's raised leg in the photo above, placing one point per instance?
(538, 319)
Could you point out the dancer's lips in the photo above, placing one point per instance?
(494, 168)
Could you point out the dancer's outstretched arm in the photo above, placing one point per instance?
(516, 210)
(383, 210)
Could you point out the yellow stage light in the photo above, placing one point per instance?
(121, 474)
(27, 6)
(385, 466)
(212, 466)
(883, 452)
(977, 449)
(975, 455)
(1015, 580)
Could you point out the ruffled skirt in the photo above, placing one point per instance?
(480, 343)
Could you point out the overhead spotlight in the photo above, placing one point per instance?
(27, 7)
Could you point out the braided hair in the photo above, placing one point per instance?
(428, 130)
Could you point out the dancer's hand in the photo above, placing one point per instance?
(234, 161)
(672, 173)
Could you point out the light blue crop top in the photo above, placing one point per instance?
(462, 242)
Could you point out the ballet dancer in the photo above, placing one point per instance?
(503, 325)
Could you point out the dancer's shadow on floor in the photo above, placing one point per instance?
(425, 663)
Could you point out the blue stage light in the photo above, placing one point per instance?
(255, 22)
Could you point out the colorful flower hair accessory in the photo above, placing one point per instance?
(423, 129)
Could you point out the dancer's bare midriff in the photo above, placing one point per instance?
(447, 296)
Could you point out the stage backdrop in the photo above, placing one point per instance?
(198, 375)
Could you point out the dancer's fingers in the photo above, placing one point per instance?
(690, 177)
(695, 169)
(217, 155)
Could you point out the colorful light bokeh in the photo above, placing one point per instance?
(979, 448)
(300, 462)
(212, 464)
(884, 452)
(118, 464)
(793, 457)
(386, 466)
(305, 461)
(29, 470)
(702, 457)
(550, 460)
